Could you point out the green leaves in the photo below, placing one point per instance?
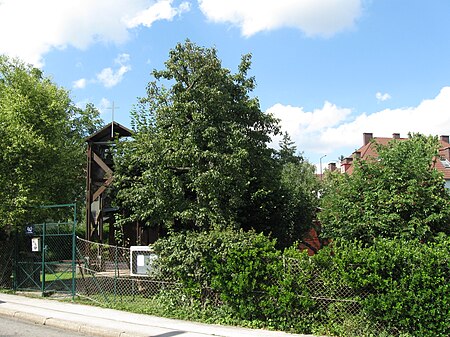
(200, 144)
(244, 269)
(405, 282)
(398, 194)
(41, 144)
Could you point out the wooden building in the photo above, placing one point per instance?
(100, 169)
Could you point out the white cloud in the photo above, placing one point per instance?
(79, 84)
(382, 97)
(313, 17)
(162, 10)
(36, 27)
(331, 129)
(109, 77)
(104, 105)
(303, 127)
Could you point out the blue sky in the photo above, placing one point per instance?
(329, 69)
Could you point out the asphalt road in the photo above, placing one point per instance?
(15, 328)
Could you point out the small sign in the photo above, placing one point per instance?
(29, 230)
(141, 260)
(36, 244)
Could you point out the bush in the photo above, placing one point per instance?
(407, 283)
(235, 264)
(244, 272)
(390, 288)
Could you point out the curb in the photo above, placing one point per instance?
(113, 323)
(7, 313)
(65, 324)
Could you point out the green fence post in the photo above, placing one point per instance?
(16, 258)
(116, 269)
(74, 249)
(44, 249)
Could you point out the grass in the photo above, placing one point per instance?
(60, 276)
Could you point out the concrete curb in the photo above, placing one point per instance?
(26, 316)
(96, 321)
(6, 312)
(62, 324)
(65, 324)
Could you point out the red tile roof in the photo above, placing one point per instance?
(368, 151)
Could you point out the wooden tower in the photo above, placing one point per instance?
(99, 177)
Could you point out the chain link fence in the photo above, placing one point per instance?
(6, 263)
(105, 276)
(39, 258)
(337, 309)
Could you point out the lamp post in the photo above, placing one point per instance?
(320, 164)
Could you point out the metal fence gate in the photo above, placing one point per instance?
(45, 255)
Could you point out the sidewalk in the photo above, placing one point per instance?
(96, 321)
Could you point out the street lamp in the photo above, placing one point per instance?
(320, 163)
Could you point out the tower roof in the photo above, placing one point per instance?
(109, 132)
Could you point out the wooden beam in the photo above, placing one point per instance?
(102, 188)
(102, 164)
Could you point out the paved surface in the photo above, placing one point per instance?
(95, 321)
(11, 327)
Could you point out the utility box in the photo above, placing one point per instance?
(141, 260)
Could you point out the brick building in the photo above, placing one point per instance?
(367, 150)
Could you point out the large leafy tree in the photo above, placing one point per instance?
(199, 157)
(41, 143)
(397, 194)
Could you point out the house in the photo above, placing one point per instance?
(367, 150)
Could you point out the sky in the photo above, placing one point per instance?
(330, 70)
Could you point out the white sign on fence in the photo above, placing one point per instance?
(36, 244)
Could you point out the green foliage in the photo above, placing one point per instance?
(300, 200)
(41, 143)
(399, 194)
(243, 275)
(297, 195)
(406, 283)
(199, 157)
(195, 257)
(392, 288)
(287, 152)
(253, 281)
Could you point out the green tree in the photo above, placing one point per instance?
(300, 201)
(41, 143)
(287, 152)
(199, 157)
(397, 194)
(299, 190)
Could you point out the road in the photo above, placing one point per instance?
(15, 328)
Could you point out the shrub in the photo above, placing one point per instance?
(232, 263)
(407, 283)
(249, 276)
(390, 288)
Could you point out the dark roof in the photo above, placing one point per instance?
(104, 134)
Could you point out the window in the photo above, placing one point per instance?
(445, 162)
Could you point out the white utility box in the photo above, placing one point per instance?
(141, 260)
